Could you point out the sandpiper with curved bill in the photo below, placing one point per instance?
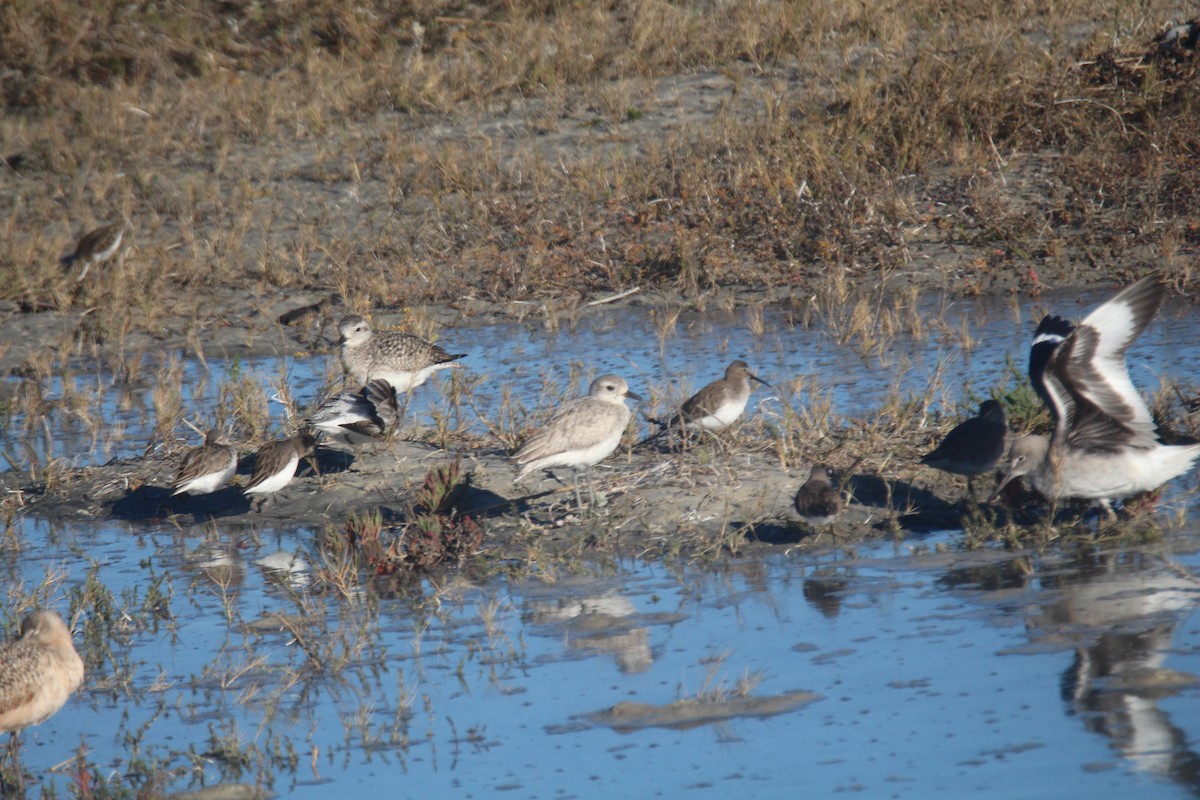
(38, 671)
(207, 467)
(582, 433)
(973, 447)
(96, 247)
(1104, 445)
(818, 501)
(403, 360)
(275, 464)
(357, 417)
(718, 405)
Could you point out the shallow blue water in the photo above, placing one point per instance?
(935, 680)
(524, 358)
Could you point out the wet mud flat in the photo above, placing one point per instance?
(649, 501)
(728, 494)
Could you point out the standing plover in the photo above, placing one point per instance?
(207, 467)
(975, 446)
(38, 671)
(96, 247)
(818, 501)
(275, 464)
(1105, 445)
(581, 433)
(361, 416)
(403, 360)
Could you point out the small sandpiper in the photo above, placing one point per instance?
(96, 247)
(818, 501)
(973, 447)
(275, 464)
(357, 417)
(1105, 445)
(718, 405)
(403, 360)
(207, 467)
(38, 671)
(582, 433)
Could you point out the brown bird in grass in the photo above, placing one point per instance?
(403, 360)
(275, 464)
(208, 467)
(38, 671)
(96, 247)
(818, 501)
(718, 405)
(975, 446)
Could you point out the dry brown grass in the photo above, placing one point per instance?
(259, 145)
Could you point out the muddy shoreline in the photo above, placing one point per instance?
(726, 496)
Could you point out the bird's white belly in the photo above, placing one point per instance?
(405, 380)
(582, 456)
(723, 417)
(206, 484)
(1113, 475)
(278, 480)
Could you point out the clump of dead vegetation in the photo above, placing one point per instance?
(434, 534)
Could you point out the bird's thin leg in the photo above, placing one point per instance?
(575, 482)
(591, 486)
(12, 774)
(1106, 504)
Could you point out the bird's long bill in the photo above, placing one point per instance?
(1000, 486)
(754, 377)
(634, 395)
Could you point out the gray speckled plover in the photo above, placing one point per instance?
(275, 464)
(975, 446)
(818, 501)
(718, 405)
(1105, 445)
(403, 360)
(356, 417)
(582, 432)
(38, 671)
(96, 247)
(207, 467)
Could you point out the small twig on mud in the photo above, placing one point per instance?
(615, 297)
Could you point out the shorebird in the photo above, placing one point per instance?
(818, 500)
(38, 671)
(358, 417)
(96, 247)
(275, 464)
(403, 360)
(1105, 445)
(207, 467)
(973, 447)
(718, 405)
(582, 433)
